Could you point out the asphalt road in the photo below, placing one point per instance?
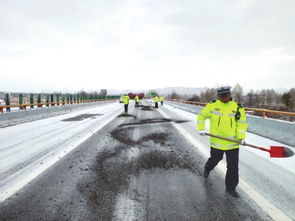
(137, 167)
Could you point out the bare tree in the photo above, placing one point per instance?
(278, 99)
(262, 97)
(174, 95)
(270, 96)
(195, 97)
(208, 95)
(292, 92)
(103, 92)
(257, 99)
(250, 99)
(82, 95)
(237, 93)
(289, 99)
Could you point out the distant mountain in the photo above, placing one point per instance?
(162, 91)
(179, 90)
(117, 92)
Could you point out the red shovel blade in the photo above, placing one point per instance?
(280, 152)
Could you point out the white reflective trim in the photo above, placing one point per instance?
(231, 115)
(216, 113)
(242, 131)
(201, 121)
(216, 145)
(242, 122)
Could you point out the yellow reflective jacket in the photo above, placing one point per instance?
(223, 123)
(156, 99)
(126, 99)
(136, 98)
(161, 98)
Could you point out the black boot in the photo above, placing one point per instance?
(233, 193)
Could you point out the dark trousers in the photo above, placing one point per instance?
(156, 104)
(136, 104)
(161, 102)
(126, 107)
(232, 161)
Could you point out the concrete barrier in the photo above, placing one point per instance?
(278, 130)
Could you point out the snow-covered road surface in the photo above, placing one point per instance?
(26, 150)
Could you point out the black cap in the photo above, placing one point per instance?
(223, 90)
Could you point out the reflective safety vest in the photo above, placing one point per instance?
(156, 99)
(126, 99)
(224, 122)
(136, 98)
(161, 98)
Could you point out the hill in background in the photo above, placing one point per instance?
(179, 90)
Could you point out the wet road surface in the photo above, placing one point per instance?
(138, 167)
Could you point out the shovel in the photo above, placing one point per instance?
(275, 151)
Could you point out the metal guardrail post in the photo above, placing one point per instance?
(39, 101)
(7, 102)
(47, 100)
(20, 101)
(57, 99)
(31, 101)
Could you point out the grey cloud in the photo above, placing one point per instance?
(260, 26)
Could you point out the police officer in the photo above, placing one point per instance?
(136, 100)
(126, 99)
(227, 119)
(161, 100)
(156, 100)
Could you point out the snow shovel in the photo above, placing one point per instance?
(275, 151)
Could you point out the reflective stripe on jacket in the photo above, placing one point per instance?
(223, 123)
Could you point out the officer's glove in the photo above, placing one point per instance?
(202, 132)
(242, 142)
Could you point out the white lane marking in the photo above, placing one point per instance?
(124, 209)
(272, 210)
(17, 181)
(128, 205)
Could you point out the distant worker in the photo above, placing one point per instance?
(227, 119)
(126, 99)
(161, 100)
(7, 102)
(156, 100)
(136, 100)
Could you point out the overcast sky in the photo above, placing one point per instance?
(69, 45)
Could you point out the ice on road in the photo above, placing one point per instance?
(28, 149)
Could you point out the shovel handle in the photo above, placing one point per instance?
(275, 151)
(236, 141)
